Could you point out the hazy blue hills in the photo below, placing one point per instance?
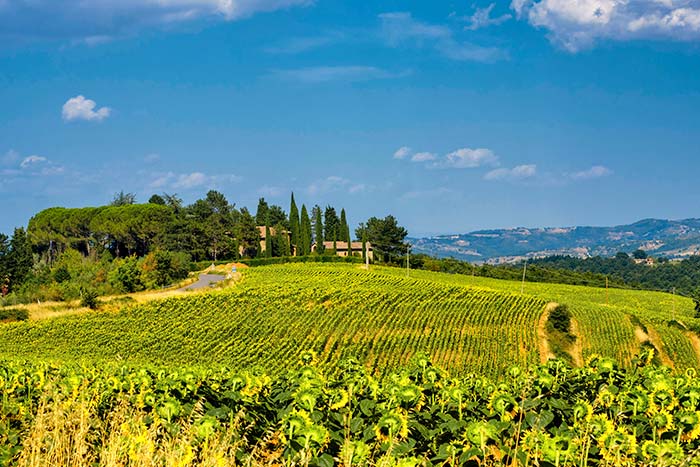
(673, 239)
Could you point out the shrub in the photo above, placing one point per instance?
(90, 299)
(560, 318)
(13, 314)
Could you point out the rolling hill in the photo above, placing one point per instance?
(674, 239)
(380, 317)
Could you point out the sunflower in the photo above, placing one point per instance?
(662, 421)
(689, 423)
(393, 424)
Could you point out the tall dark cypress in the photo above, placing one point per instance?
(318, 229)
(294, 225)
(305, 230)
(343, 234)
(268, 238)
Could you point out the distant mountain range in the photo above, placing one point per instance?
(673, 239)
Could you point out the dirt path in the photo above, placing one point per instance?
(543, 343)
(576, 350)
(204, 281)
(695, 342)
(650, 335)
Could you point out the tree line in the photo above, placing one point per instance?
(164, 235)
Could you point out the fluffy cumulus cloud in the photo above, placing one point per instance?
(80, 108)
(401, 29)
(467, 158)
(578, 24)
(520, 172)
(96, 21)
(188, 181)
(463, 158)
(597, 171)
(402, 152)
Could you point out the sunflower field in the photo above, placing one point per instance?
(420, 415)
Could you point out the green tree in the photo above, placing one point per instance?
(268, 237)
(317, 217)
(248, 234)
(262, 215)
(280, 241)
(19, 258)
(639, 254)
(123, 199)
(156, 199)
(305, 231)
(294, 224)
(278, 216)
(331, 224)
(385, 235)
(344, 228)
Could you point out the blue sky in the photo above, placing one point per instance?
(453, 116)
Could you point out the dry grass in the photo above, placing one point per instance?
(69, 433)
(114, 303)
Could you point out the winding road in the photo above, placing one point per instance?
(204, 281)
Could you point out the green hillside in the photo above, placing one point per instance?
(380, 316)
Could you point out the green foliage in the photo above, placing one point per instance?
(386, 236)
(547, 415)
(13, 314)
(560, 318)
(331, 224)
(61, 274)
(317, 219)
(262, 215)
(305, 232)
(294, 225)
(90, 299)
(123, 199)
(126, 274)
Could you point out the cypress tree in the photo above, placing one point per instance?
(294, 224)
(318, 229)
(262, 216)
(19, 258)
(268, 239)
(349, 237)
(343, 227)
(305, 231)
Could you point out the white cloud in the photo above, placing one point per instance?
(101, 20)
(399, 28)
(80, 108)
(32, 161)
(187, 181)
(270, 191)
(322, 74)
(578, 24)
(29, 166)
(467, 158)
(463, 158)
(597, 171)
(423, 157)
(402, 152)
(519, 172)
(335, 183)
(482, 18)
(298, 45)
